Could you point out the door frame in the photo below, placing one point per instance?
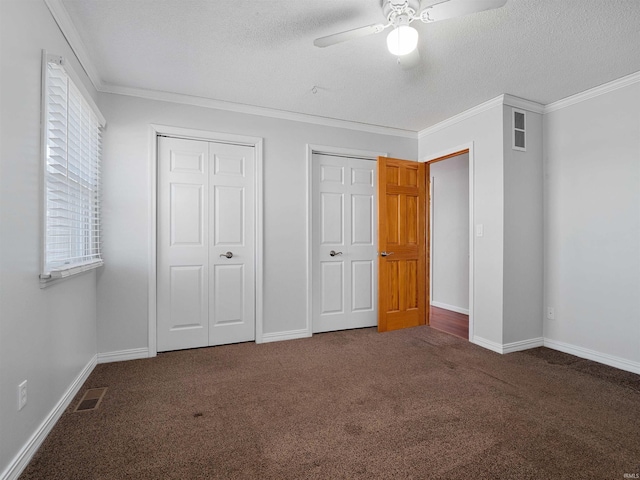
(326, 150)
(209, 136)
(438, 157)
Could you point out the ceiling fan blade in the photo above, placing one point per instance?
(457, 8)
(348, 35)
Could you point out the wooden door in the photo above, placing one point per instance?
(205, 209)
(402, 219)
(344, 266)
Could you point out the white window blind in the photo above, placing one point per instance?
(71, 175)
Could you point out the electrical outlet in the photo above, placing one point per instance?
(22, 395)
(551, 313)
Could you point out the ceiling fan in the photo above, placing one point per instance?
(403, 39)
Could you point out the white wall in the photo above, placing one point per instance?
(450, 233)
(592, 225)
(123, 283)
(484, 130)
(523, 233)
(47, 336)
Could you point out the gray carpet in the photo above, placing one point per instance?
(415, 403)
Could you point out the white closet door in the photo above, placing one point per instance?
(206, 296)
(344, 243)
(363, 243)
(183, 244)
(232, 220)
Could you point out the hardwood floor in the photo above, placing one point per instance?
(449, 322)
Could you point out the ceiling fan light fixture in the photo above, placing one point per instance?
(402, 40)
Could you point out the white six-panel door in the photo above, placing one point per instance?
(206, 296)
(232, 227)
(344, 223)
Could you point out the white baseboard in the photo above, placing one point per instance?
(611, 360)
(488, 344)
(121, 355)
(290, 335)
(464, 311)
(21, 460)
(606, 359)
(508, 347)
(523, 345)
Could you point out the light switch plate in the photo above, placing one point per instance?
(22, 395)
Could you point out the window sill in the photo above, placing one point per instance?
(54, 276)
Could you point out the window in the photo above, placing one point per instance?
(72, 127)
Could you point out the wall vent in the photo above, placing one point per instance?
(519, 118)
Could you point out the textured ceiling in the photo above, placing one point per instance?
(261, 53)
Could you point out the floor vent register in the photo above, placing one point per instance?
(91, 399)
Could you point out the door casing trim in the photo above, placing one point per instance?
(338, 151)
(189, 133)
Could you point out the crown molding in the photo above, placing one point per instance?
(504, 99)
(593, 92)
(472, 112)
(523, 104)
(69, 31)
(254, 110)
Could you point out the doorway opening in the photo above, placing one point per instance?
(449, 244)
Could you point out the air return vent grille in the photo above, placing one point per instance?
(518, 128)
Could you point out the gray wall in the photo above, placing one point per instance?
(507, 202)
(484, 132)
(47, 336)
(450, 233)
(592, 225)
(523, 232)
(123, 283)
